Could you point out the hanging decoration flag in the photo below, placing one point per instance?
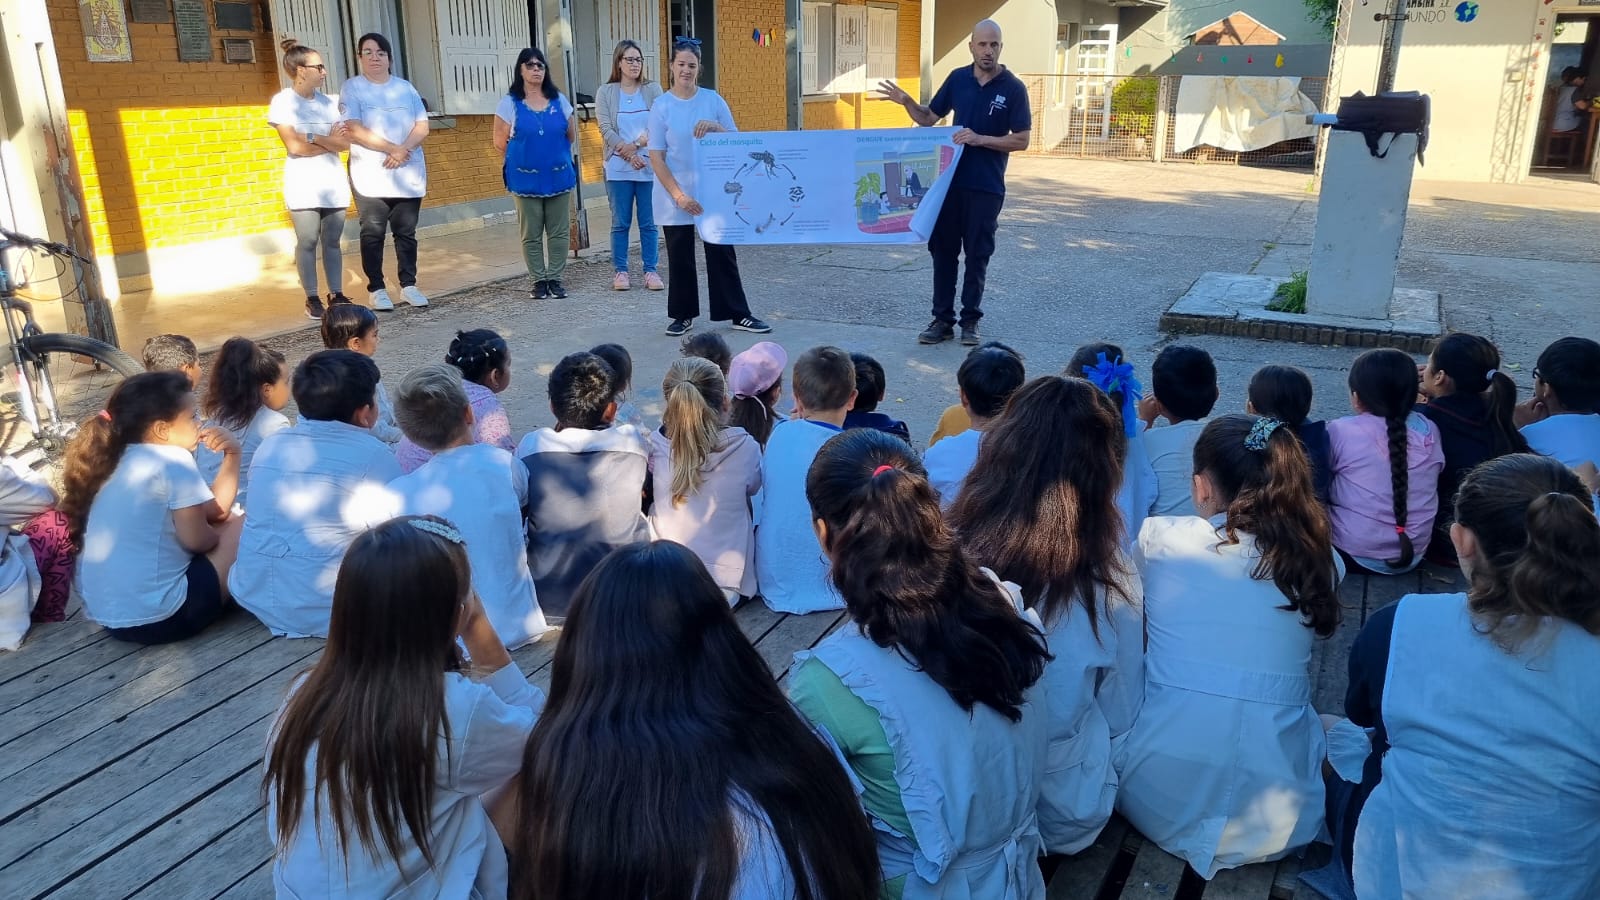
(1200, 57)
(1250, 60)
(756, 36)
(1224, 60)
(1127, 52)
(1279, 61)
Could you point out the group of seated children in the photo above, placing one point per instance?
(1033, 642)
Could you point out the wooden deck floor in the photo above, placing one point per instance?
(136, 772)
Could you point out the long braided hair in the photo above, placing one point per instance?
(1385, 383)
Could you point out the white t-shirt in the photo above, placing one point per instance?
(311, 182)
(948, 463)
(506, 109)
(1573, 438)
(672, 122)
(482, 489)
(1171, 452)
(390, 110)
(633, 120)
(266, 421)
(132, 568)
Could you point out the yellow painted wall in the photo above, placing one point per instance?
(865, 110)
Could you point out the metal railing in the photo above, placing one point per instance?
(1129, 117)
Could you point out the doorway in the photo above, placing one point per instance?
(695, 19)
(1568, 122)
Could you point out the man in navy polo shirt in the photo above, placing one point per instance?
(991, 109)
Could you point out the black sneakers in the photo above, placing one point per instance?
(540, 292)
(937, 332)
(752, 325)
(969, 335)
(313, 307)
(679, 327)
(338, 297)
(557, 292)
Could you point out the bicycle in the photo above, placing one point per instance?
(57, 380)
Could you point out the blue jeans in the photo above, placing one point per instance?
(623, 195)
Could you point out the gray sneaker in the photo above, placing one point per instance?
(969, 335)
(937, 332)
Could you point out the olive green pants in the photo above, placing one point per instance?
(541, 218)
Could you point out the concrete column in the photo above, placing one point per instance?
(1361, 219)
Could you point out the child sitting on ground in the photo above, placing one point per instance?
(1472, 403)
(710, 346)
(870, 388)
(1105, 367)
(1284, 393)
(1563, 418)
(1183, 389)
(347, 326)
(173, 353)
(1224, 765)
(484, 360)
(585, 482)
(1385, 461)
(755, 378)
(479, 487)
(702, 476)
(36, 554)
(154, 541)
(793, 576)
(249, 389)
(987, 378)
(621, 362)
(327, 479)
(404, 733)
(954, 419)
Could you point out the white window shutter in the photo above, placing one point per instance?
(314, 23)
(881, 26)
(478, 45)
(635, 20)
(849, 50)
(808, 48)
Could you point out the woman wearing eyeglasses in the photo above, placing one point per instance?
(678, 119)
(314, 183)
(623, 104)
(388, 124)
(535, 128)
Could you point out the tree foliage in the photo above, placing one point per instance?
(1323, 12)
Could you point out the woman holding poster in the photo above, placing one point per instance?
(678, 119)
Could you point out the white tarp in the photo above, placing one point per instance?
(1240, 113)
(876, 186)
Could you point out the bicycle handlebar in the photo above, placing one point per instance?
(12, 238)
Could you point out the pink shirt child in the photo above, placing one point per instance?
(490, 425)
(714, 521)
(1361, 499)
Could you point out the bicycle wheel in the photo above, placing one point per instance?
(69, 379)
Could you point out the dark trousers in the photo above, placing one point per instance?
(966, 223)
(728, 302)
(380, 215)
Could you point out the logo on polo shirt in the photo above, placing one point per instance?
(997, 103)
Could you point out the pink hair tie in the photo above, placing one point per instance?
(105, 415)
(881, 469)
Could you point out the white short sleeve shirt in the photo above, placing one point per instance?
(672, 121)
(390, 110)
(311, 182)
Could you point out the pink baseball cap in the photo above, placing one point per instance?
(757, 369)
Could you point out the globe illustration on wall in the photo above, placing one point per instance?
(1466, 11)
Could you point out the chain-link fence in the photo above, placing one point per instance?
(1131, 117)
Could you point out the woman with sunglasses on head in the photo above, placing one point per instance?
(623, 109)
(681, 117)
(388, 123)
(314, 184)
(535, 128)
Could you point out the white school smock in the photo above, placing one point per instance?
(672, 122)
(1170, 451)
(791, 568)
(714, 521)
(1572, 438)
(314, 488)
(969, 781)
(264, 422)
(1137, 493)
(311, 182)
(1491, 786)
(132, 569)
(482, 490)
(489, 723)
(948, 463)
(390, 110)
(24, 494)
(1094, 690)
(1224, 765)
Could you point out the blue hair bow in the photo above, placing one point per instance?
(680, 39)
(1112, 376)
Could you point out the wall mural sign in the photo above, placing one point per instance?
(194, 30)
(105, 31)
(150, 11)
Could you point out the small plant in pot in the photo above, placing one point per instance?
(868, 187)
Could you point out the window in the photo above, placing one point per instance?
(846, 49)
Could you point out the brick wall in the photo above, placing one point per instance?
(751, 77)
(865, 110)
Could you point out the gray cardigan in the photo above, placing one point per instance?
(606, 101)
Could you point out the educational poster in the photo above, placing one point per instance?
(882, 186)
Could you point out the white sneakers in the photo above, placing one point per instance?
(380, 298)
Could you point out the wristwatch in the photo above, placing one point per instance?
(311, 138)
